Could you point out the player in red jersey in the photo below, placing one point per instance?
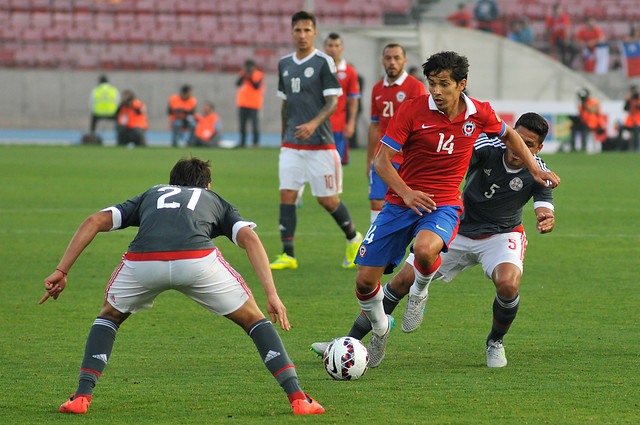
(436, 132)
(386, 97)
(343, 120)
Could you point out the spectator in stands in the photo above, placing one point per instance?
(104, 102)
(249, 100)
(634, 34)
(589, 122)
(486, 13)
(520, 31)
(209, 130)
(343, 120)
(632, 122)
(181, 109)
(558, 26)
(460, 18)
(132, 120)
(587, 38)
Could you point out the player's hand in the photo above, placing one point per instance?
(277, 311)
(417, 201)
(54, 285)
(546, 222)
(547, 178)
(348, 131)
(304, 131)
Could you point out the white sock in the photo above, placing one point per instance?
(421, 283)
(373, 309)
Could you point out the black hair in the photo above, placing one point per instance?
(534, 122)
(447, 61)
(303, 15)
(191, 172)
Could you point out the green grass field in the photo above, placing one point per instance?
(574, 350)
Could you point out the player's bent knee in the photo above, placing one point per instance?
(247, 314)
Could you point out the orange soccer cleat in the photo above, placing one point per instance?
(306, 407)
(78, 404)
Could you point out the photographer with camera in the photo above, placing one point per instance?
(131, 120)
(588, 122)
(632, 122)
(249, 100)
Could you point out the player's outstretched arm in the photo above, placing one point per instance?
(546, 220)
(55, 283)
(248, 240)
(513, 140)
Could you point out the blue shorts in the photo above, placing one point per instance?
(395, 227)
(342, 146)
(378, 188)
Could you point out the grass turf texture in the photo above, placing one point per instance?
(573, 351)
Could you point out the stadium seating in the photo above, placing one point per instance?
(125, 33)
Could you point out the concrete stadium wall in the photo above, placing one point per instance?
(500, 71)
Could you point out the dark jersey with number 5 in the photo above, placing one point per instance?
(494, 195)
(176, 218)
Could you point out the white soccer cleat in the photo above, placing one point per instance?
(378, 345)
(495, 354)
(320, 347)
(413, 312)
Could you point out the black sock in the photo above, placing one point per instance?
(343, 218)
(96, 353)
(275, 357)
(288, 221)
(504, 313)
(362, 326)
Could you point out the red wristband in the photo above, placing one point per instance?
(63, 273)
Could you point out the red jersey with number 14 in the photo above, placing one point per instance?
(436, 150)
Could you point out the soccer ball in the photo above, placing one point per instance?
(346, 359)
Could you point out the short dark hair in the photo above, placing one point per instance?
(457, 64)
(534, 122)
(303, 15)
(333, 36)
(103, 79)
(185, 89)
(191, 172)
(392, 45)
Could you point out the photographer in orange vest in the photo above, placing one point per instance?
(181, 109)
(589, 121)
(131, 120)
(632, 122)
(207, 131)
(249, 100)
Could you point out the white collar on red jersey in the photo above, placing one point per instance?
(471, 107)
(397, 82)
(342, 66)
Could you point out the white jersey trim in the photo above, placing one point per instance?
(543, 204)
(116, 217)
(239, 225)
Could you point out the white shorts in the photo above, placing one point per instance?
(210, 281)
(320, 168)
(491, 251)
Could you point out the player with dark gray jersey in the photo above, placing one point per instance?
(309, 88)
(173, 250)
(177, 219)
(304, 84)
(490, 233)
(495, 195)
